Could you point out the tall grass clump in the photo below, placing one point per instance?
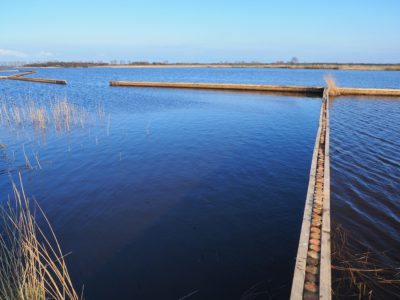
(331, 85)
(60, 114)
(32, 265)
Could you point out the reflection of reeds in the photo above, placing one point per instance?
(28, 164)
(36, 155)
(32, 265)
(361, 274)
(108, 125)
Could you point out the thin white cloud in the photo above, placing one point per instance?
(12, 53)
(45, 54)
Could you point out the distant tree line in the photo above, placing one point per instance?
(65, 64)
(292, 63)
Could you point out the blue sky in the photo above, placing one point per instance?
(202, 31)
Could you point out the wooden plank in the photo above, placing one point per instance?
(22, 74)
(223, 86)
(325, 269)
(42, 80)
(33, 79)
(367, 92)
(301, 259)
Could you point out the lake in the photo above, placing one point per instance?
(169, 193)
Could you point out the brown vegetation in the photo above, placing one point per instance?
(32, 265)
(361, 274)
(331, 86)
(60, 114)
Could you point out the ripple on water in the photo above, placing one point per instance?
(365, 172)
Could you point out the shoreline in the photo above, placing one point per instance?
(316, 66)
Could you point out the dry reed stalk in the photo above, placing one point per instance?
(100, 110)
(28, 164)
(361, 275)
(331, 85)
(61, 113)
(36, 155)
(32, 265)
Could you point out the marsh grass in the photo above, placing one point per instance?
(361, 274)
(32, 265)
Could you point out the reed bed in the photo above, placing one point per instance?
(60, 114)
(32, 265)
(361, 274)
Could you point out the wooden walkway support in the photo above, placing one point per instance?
(312, 274)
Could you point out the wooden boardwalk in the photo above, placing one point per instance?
(316, 91)
(312, 274)
(283, 89)
(19, 76)
(42, 80)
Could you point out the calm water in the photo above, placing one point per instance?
(178, 191)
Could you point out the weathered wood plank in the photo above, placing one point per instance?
(301, 259)
(42, 80)
(345, 91)
(325, 270)
(223, 86)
